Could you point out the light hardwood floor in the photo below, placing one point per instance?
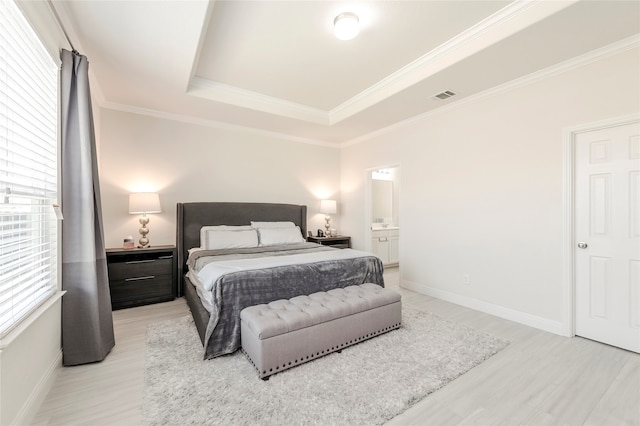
(539, 379)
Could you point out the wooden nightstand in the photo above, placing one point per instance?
(341, 241)
(141, 276)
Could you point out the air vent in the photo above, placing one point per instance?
(445, 95)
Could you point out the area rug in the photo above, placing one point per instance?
(366, 384)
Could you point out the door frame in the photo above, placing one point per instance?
(568, 208)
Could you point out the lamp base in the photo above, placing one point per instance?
(143, 241)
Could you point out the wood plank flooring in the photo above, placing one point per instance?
(539, 379)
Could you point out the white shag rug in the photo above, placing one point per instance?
(366, 384)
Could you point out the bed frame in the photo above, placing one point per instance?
(193, 216)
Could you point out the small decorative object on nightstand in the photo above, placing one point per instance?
(128, 243)
(141, 276)
(339, 241)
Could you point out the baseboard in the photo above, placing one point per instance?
(556, 327)
(40, 392)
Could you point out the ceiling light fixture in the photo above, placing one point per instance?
(346, 26)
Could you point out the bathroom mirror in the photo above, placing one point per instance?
(382, 201)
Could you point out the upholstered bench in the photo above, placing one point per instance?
(286, 333)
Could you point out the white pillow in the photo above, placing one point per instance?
(272, 224)
(205, 229)
(276, 236)
(242, 238)
(195, 249)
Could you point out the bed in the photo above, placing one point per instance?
(283, 271)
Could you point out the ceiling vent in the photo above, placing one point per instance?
(445, 95)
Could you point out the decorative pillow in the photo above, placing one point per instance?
(204, 231)
(272, 225)
(242, 238)
(277, 236)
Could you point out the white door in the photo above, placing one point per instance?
(607, 232)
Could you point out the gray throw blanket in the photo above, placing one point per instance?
(237, 290)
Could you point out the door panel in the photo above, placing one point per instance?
(607, 231)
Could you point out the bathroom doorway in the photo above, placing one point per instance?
(383, 208)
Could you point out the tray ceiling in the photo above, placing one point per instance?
(275, 66)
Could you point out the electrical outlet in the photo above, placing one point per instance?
(466, 279)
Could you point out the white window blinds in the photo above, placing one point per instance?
(28, 169)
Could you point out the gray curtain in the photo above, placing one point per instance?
(87, 324)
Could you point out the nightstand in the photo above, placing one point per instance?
(141, 276)
(341, 241)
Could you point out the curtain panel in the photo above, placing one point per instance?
(87, 323)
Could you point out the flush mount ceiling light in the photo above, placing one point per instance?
(346, 26)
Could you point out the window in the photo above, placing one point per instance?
(28, 169)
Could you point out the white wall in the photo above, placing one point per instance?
(28, 366)
(482, 189)
(192, 162)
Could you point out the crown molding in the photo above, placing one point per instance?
(214, 124)
(612, 49)
(220, 92)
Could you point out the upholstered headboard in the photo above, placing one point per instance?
(193, 216)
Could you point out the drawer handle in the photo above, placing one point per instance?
(140, 261)
(166, 257)
(148, 277)
(382, 239)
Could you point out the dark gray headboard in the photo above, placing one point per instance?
(193, 216)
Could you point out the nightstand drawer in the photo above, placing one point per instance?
(340, 245)
(340, 241)
(130, 291)
(140, 268)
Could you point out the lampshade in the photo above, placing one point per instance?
(346, 26)
(328, 206)
(144, 202)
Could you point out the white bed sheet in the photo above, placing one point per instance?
(206, 297)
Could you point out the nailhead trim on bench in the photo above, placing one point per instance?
(328, 351)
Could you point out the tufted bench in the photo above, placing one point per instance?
(286, 333)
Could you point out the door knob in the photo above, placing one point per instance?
(582, 245)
